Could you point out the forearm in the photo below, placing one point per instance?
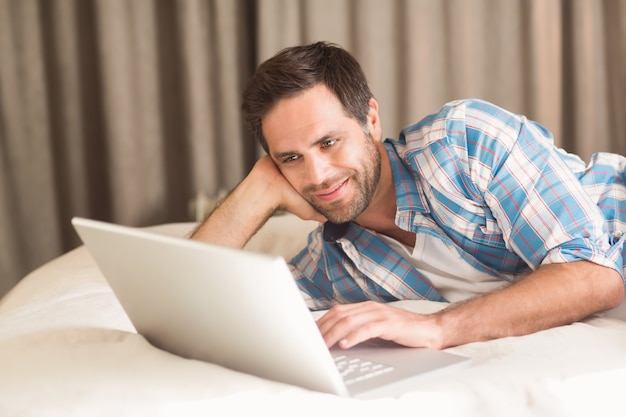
(551, 296)
(238, 217)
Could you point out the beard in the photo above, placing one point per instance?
(365, 182)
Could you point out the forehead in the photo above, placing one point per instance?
(303, 118)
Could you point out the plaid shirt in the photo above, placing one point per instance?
(491, 185)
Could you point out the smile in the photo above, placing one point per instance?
(332, 194)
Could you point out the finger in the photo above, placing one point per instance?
(350, 324)
(336, 314)
(359, 335)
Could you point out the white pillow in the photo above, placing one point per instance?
(284, 235)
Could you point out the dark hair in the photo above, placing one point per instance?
(296, 69)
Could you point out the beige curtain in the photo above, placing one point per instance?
(126, 110)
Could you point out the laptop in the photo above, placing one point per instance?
(243, 310)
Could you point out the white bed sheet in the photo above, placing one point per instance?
(67, 348)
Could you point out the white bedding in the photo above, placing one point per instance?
(67, 348)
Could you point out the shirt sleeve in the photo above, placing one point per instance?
(509, 167)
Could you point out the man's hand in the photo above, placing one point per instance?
(351, 324)
(286, 197)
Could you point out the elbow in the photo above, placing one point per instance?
(618, 294)
(614, 291)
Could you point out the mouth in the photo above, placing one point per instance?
(333, 193)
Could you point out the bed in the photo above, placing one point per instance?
(67, 348)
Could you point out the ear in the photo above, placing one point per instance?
(373, 120)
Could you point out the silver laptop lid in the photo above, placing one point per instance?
(241, 310)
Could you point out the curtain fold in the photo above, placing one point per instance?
(128, 110)
(25, 145)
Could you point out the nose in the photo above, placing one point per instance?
(316, 170)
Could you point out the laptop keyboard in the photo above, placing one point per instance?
(354, 369)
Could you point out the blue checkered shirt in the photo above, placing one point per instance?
(486, 182)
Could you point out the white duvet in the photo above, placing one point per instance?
(68, 349)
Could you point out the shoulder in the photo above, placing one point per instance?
(469, 137)
(456, 117)
(470, 126)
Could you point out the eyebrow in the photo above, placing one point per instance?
(281, 155)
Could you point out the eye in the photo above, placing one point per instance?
(289, 159)
(328, 143)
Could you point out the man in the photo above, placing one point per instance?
(472, 205)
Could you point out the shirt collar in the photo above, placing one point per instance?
(410, 198)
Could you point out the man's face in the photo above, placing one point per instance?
(325, 155)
